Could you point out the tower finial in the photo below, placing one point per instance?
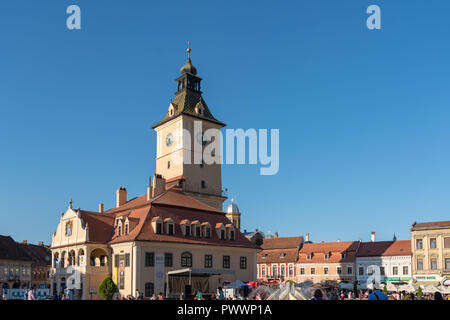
(188, 50)
(70, 203)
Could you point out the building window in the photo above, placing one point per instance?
(361, 271)
(343, 255)
(447, 264)
(419, 244)
(339, 270)
(433, 263)
(263, 271)
(326, 256)
(186, 260)
(170, 229)
(325, 270)
(433, 244)
(395, 271)
(127, 259)
(208, 260)
(282, 271)
(187, 231)
(419, 264)
(382, 271)
(198, 231)
(243, 263)
(313, 270)
(349, 270)
(222, 234)
(291, 271)
(207, 232)
(309, 257)
(149, 289)
(149, 259)
(302, 270)
(119, 232)
(116, 260)
(226, 262)
(405, 270)
(231, 234)
(127, 227)
(275, 271)
(203, 184)
(158, 228)
(447, 243)
(168, 259)
(168, 164)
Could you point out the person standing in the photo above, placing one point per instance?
(31, 294)
(221, 295)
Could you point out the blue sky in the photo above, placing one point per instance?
(363, 115)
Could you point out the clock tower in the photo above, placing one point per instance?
(180, 142)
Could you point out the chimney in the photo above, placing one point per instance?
(276, 235)
(372, 237)
(159, 185)
(149, 189)
(101, 208)
(307, 237)
(40, 243)
(24, 241)
(121, 196)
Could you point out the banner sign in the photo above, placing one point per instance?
(159, 273)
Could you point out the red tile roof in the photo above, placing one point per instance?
(430, 225)
(334, 249)
(11, 250)
(385, 248)
(172, 204)
(282, 243)
(277, 256)
(40, 255)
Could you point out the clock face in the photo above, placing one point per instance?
(169, 139)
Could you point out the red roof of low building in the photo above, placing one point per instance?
(385, 248)
(282, 243)
(317, 252)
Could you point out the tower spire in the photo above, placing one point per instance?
(188, 50)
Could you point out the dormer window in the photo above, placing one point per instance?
(127, 227)
(169, 226)
(230, 231)
(119, 228)
(221, 231)
(157, 225)
(186, 227)
(198, 231)
(206, 229)
(158, 228)
(283, 255)
(326, 256)
(343, 255)
(309, 256)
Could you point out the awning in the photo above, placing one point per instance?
(199, 272)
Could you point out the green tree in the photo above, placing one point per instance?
(419, 292)
(355, 289)
(107, 288)
(385, 289)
